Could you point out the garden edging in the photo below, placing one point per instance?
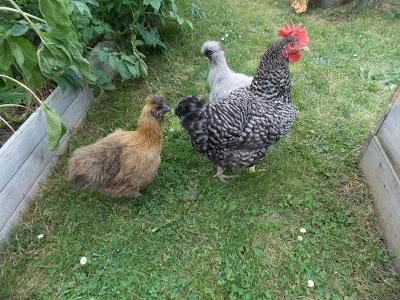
(25, 158)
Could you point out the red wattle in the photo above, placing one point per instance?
(294, 57)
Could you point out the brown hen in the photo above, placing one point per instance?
(124, 162)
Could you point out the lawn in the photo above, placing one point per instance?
(191, 236)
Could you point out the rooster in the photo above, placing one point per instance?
(238, 130)
(221, 79)
(124, 162)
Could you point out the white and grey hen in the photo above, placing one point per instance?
(221, 79)
(238, 130)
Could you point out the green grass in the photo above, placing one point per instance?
(238, 239)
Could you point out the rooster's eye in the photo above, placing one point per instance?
(291, 44)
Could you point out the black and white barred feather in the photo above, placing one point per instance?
(238, 130)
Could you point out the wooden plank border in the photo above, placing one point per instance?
(26, 161)
(379, 161)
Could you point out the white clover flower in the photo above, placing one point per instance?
(40, 236)
(226, 34)
(83, 260)
(303, 230)
(300, 238)
(310, 283)
(355, 55)
(240, 36)
(222, 38)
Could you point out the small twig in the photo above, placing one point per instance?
(163, 225)
(348, 153)
(4, 8)
(9, 126)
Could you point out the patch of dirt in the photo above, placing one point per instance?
(5, 134)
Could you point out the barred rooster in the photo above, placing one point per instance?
(238, 130)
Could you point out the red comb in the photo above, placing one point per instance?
(297, 31)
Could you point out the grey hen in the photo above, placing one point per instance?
(238, 130)
(221, 79)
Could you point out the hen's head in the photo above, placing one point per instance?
(209, 48)
(155, 107)
(300, 41)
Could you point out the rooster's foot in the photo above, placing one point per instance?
(252, 169)
(220, 174)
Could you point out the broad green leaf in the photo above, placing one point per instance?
(30, 67)
(6, 57)
(52, 61)
(83, 8)
(17, 53)
(150, 36)
(143, 68)
(56, 15)
(67, 79)
(108, 86)
(18, 29)
(123, 70)
(113, 62)
(93, 2)
(139, 43)
(13, 95)
(156, 4)
(56, 127)
(133, 69)
(129, 58)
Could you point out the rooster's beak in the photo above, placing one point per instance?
(305, 48)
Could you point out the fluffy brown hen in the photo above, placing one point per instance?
(124, 162)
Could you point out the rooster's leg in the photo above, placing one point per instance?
(220, 174)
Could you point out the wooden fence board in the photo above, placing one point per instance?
(385, 187)
(389, 135)
(38, 160)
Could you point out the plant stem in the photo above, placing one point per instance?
(4, 8)
(8, 125)
(12, 105)
(24, 86)
(33, 26)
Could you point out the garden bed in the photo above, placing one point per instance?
(25, 158)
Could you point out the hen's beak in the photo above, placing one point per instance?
(165, 109)
(305, 48)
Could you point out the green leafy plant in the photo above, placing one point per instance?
(54, 44)
(56, 127)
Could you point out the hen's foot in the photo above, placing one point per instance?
(136, 195)
(252, 169)
(220, 174)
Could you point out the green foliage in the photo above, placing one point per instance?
(55, 127)
(54, 44)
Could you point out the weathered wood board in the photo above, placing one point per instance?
(26, 161)
(380, 162)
